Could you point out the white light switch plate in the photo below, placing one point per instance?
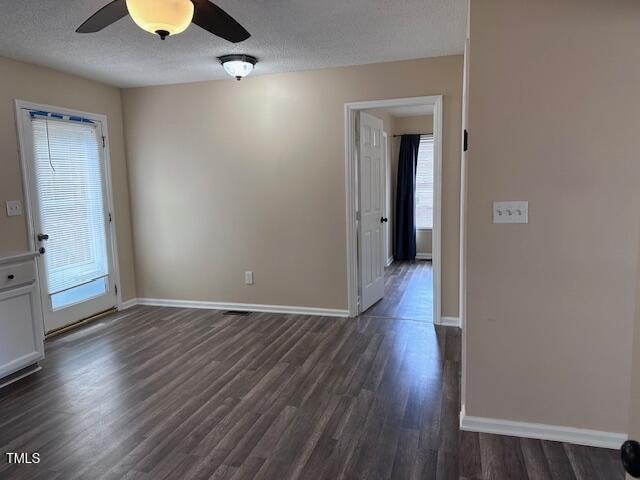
(510, 212)
(248, 278)
(14, 208)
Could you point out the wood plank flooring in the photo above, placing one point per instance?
(161, 393)
(408, 292)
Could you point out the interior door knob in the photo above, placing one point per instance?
(384, 219)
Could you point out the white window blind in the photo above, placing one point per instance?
(424, 183)
(69, 172)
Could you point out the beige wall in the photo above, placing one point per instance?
(634, 404)
(42, 85)
(418, 124)
(550, 304)
(231, 176)
(407, 125)
(382, 114)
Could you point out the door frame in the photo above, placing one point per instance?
(388, 239)
(25, 170)
(351, 110)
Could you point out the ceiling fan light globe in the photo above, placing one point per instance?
(172, 16)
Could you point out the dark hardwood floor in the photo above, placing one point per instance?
(408, 292)
(162, 393)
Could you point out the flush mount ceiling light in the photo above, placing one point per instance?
(164, 17)
(238, 66)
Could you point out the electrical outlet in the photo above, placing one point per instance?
(248, 278)
(14, 208)
(510, 212)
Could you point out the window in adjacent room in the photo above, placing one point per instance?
(424, 184)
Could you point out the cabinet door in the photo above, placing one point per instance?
(21, 342)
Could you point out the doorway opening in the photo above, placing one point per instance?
(393, 271)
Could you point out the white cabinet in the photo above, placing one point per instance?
(21, 328)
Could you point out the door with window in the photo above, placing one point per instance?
(64, 159)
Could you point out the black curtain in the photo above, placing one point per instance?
(405, 221)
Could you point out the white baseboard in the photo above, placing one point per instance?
(249, 307)
(389, 261)
(423, 256)
(128, 304)
(450, 322)
(579, 436)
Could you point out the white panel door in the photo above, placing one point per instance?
(66, 168)
(371, 208)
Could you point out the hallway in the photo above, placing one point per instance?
(408, 292)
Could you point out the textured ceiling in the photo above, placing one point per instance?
(287, 35)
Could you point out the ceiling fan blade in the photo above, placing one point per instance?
(215, 20)
(104, 17)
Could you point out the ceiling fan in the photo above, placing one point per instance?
(168, 17)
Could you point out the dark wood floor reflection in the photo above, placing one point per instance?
(161, 393)
(408, 292)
